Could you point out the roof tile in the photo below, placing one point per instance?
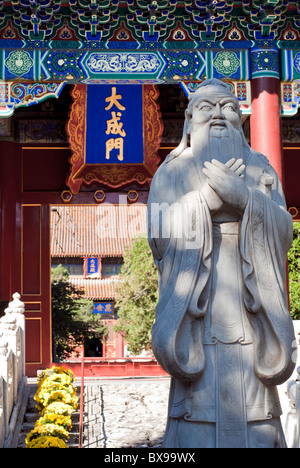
(95, 288)
(95, 230)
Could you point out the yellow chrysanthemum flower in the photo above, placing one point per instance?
(47, 442)
(58, 419)
(58, 407)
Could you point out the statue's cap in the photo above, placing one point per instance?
(213, 82)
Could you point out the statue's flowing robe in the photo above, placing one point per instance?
(223, 329)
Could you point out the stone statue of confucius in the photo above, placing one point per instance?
(220, 232)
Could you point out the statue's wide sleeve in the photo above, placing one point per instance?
(266, 236)
(180, 255)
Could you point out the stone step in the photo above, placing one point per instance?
(72, 442)
(32, 415)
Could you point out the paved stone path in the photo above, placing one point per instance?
(125, 414)
(119, 413)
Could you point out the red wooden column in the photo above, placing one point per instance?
(265, 121)
(8, 214)
(265, 126)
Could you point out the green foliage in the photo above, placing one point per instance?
(294, 273)
(73, 322)
(137, 295)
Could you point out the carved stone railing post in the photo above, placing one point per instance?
(16, 309)
(292, 391)
(2, 413)
(12, 367)
(292, 428)
(4, 376)
(9, 328)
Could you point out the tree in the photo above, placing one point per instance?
(137, 295)
(73, 322)
(294, 273)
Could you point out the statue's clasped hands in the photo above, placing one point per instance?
(226, 181)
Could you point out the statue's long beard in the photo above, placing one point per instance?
(216, 143)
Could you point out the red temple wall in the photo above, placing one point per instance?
(291, 158)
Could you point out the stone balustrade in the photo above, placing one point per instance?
(12, 367)
(292, 394)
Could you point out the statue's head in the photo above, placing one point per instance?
(212, 110)
(213, 103)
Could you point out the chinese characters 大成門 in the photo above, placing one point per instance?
(115, 126)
